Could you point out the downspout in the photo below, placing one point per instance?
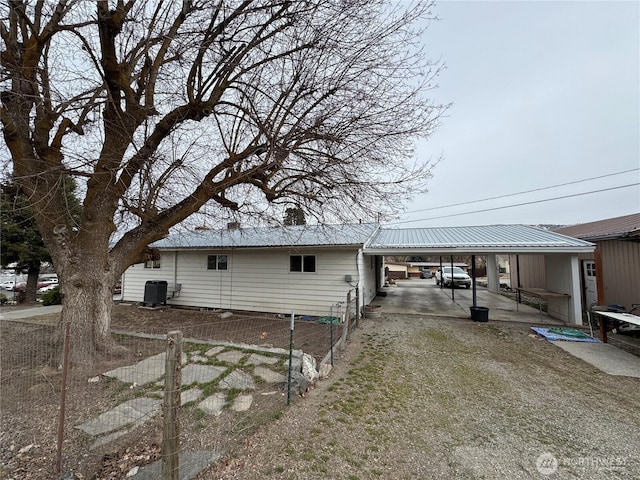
(175, 274)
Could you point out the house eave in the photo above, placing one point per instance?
(477, 250)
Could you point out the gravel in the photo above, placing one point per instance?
(426, 397)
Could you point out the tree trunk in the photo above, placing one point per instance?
(87, 305)
(31, 290)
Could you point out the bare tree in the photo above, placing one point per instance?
(158, 108)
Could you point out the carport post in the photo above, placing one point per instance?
(453, 284)
(441, 284)
(473, 278)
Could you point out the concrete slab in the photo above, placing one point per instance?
(604, 357)
(256, 359)
(127, 413)
(238, 380)
(214, 351)
(190, 395)
(200, 373)
(190, 464)
(231, 356)
(424, 297)
(269, 376)
(296, 364)
(214, 404)
(242, 403)
(148, 370)
(19, 313)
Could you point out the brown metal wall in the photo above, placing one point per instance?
(619, 279)
(620, 271)
(531, 271)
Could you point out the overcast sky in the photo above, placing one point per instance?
(544, 93)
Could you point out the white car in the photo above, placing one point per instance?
(459, 277)
(47, 288)
(7, 285)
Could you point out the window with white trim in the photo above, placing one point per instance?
(152, 263)
(217, 262)
(302, 263)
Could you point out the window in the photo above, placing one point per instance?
(302, 263)
(217, 262)
(152, 263)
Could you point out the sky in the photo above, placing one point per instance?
(543, 93)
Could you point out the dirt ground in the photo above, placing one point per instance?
(412, 396)
(426, 397)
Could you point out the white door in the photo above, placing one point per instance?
(590, 288)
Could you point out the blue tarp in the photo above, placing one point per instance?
(552, 336)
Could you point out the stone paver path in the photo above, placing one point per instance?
(196, 370)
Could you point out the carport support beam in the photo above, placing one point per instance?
(453, 283)
(473, 278)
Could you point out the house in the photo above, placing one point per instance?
(608, 275)
(307, 269)
(310, 269)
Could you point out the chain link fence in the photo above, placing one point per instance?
(151, 412)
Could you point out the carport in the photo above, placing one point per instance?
(562, 272)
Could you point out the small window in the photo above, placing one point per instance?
(152, 263)
(217, 262)
(302, 263)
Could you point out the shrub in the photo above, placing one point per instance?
(3, 299)
(52, 297)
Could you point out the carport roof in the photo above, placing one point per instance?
(469, 240)
(385, 241)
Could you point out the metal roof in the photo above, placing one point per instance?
(619, 227)
(289, 236)
(385, 241)
(478, 239)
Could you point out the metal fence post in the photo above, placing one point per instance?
(171, 404)
(357, 306)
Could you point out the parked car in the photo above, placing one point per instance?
(47, 288)
(22, 286)
(426, 273)
(7, 285)
(459, 277)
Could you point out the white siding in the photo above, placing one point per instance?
(368, 285)
(257, 280)
(135, 277)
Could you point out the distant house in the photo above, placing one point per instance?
(610, 274)
(404, 270)
(311, 269)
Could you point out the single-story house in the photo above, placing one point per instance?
(608, 275)
(310, 269)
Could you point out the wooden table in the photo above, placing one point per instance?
(623, 317)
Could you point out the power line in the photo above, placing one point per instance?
(522, 193)
(518, 204)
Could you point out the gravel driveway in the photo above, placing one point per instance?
(416, 396)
